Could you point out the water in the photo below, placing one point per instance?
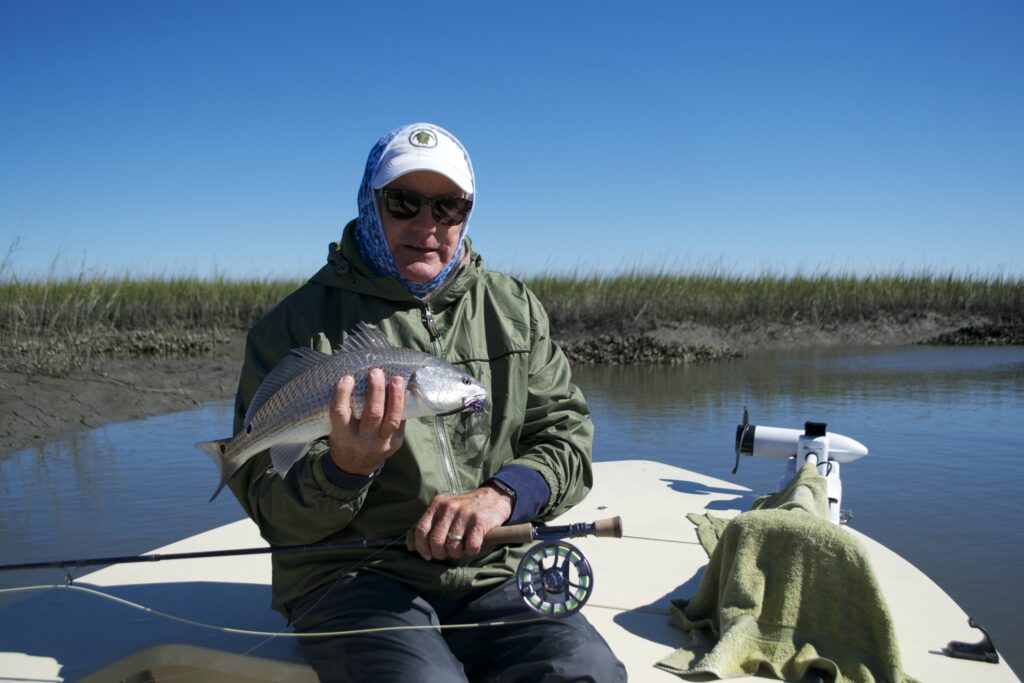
(117, 490)
(944, 481)
(942, 485)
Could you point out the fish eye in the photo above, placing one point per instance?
(248, 428)
(466, 380)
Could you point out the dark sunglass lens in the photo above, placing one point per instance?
(402, 204)
(451, 210)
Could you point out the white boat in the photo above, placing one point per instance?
(69, 635)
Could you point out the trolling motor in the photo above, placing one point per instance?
(826, 450)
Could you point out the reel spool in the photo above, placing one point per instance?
(555, 579)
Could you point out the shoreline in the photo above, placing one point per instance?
(41, 408)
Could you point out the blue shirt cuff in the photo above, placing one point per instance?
(347, 480)
(532, 491)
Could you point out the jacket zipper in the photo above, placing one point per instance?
(446, 453)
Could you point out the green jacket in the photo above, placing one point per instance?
(487, 322)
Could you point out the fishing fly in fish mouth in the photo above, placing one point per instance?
(370, 442)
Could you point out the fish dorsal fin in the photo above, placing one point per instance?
(290, 367)
(366, 338)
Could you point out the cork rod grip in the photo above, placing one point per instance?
(508, 535)
(502, 535)
(610, 527)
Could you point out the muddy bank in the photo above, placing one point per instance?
(154, 377)
(1000, 333)
(36, 408)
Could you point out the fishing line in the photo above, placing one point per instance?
(633, 610)
(661, 540)
(607, 527)
(270, 634)
(341, 574)
(267, 635)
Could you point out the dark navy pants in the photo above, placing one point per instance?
(548, 650)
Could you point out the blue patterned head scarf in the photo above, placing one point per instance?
(373, 246)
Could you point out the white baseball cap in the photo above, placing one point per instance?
(424, 147)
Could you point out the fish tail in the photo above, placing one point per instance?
(217, 450)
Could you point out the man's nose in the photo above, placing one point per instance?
(424, 220)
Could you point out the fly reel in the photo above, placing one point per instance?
(555, 579)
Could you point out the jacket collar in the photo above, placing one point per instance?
(345, 269)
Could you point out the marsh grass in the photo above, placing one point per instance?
(637, 300)
(54, 325)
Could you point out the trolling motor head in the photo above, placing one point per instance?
(781, 444)
(742, 444)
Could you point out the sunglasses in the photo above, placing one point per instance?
(406, 204)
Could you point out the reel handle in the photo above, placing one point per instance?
(610, 527)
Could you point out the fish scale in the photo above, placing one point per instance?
(291, 408)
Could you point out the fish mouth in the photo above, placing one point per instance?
(473, 404)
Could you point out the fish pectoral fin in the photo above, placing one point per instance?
(287, 454)
(415, 404)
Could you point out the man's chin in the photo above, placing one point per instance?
(419, 272)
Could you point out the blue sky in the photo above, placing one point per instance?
(200, 137)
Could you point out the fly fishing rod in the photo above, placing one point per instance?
(553, 577)
(504, 535)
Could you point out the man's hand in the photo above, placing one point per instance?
(360, 446)
(453, 526)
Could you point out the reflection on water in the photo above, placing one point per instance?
(941, 485)
(118, 490)
(929, 374)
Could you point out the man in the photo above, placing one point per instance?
(406, 266)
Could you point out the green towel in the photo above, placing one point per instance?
(785, 590)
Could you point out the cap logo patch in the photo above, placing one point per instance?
(423, 138)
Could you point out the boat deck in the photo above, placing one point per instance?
(74, 636)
